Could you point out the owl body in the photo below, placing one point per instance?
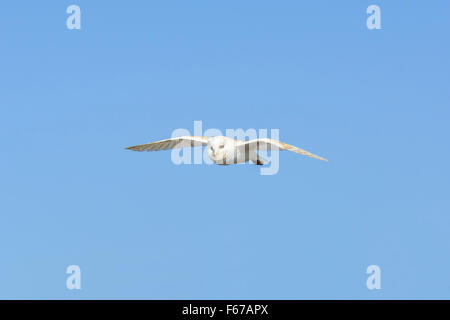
(224, 151)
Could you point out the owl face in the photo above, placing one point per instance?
(220, 149)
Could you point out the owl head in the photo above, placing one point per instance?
(221, 149)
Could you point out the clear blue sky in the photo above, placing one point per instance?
(374, 102)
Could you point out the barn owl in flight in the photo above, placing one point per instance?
(224, 150)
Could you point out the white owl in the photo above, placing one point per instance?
(223, 150)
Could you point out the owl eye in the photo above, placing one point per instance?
(221, 146)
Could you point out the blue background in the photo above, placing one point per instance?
(374, 102)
